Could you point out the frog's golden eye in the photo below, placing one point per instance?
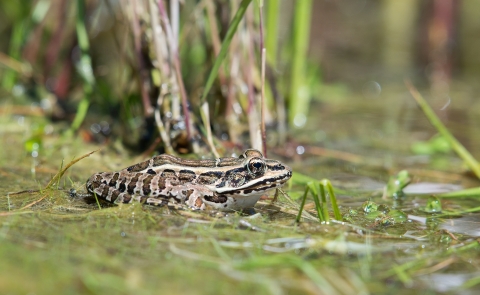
(256, 166)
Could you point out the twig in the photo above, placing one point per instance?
(253, 120)
(147, 108)
(158, 120)
(14, 213)
(56, 178)
(15, 65)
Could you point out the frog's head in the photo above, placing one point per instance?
(254, 175)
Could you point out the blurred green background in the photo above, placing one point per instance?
(106, 61)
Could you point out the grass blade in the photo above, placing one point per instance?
(435, 121)
(271, 28)
(299, 99)
(318, 206)
(470, 192)
(84, 67)
(223, 51)
(299, 215)
(333, 199)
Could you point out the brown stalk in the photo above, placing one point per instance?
(14, 213)
(281, 112)
(252, 114)
(161, 128)
(176, 65)
(231, 116)
(163, 65)
(13, 64)
(147, 107)
(262, 105)
(22, 110)
(159, 43)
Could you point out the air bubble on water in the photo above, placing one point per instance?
(300, 150)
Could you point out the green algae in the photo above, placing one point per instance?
(63, 244)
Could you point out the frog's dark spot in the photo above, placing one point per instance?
(138, 167)
(221, 184)
(276, 167)
(146, 185)
(186, 176)
(127, 199)
(114, 195)
(236, 179)
(209, 177)
(114, 179)
(105, 191)
(133, 183)
(216, 198)
(168, 173)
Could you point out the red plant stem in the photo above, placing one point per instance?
(62, 83)
(32, 47)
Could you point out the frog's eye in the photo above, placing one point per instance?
(256, 166)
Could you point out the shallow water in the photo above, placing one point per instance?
(51, 242)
